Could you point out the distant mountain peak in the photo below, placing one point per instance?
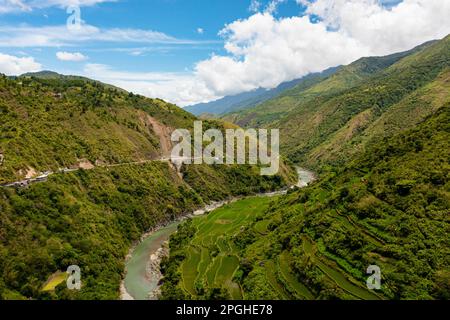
(247, 99)
(47, 74)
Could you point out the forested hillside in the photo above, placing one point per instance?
(387, 207)
(336, 118)
(91, 216)
(51, 123)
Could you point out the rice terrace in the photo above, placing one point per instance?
(213, 258)
(213, 255)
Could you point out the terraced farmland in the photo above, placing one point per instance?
(215, 261)
(212, 257)
(336, 275)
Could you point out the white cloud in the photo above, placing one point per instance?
(136, 53)
(385, 30)
(70, 56)
(8, 6)
(272, 6)
(179, 88)
(263, 51)
(200, 31)
(12, 65)
(254, 6)
(58, 36)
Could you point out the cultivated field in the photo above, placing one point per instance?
(213, 258)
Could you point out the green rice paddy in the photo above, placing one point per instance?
(213, 259)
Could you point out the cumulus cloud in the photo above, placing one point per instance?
(384, 30)
(12, 65)
(70, 56)
(263, 51)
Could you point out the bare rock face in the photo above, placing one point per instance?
(85, 164)
(124, 295)
(162, 131)
(154, 271)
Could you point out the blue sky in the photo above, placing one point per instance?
(189, 51)
(196, 23)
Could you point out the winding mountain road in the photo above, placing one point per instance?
(44, 175)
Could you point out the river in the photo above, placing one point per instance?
(142, 274)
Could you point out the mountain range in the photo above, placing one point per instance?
(250, 99)
(376, 132)
(329, 121)
(100, 159)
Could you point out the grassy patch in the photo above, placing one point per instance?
(54, 280)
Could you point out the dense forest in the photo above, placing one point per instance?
(57, 122)
(377, 132)
(91, 216)
(329, 121)
(388, 207)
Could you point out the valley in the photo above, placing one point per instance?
(142, 269)
(117, 185)
(376, 132)
(85, 180)
(317, 242)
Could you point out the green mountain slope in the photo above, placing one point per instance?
(346, 119)
(318, 85)
(50, 123)
(91, 216)
(388, 207)
(51, 75)
(370, 126)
